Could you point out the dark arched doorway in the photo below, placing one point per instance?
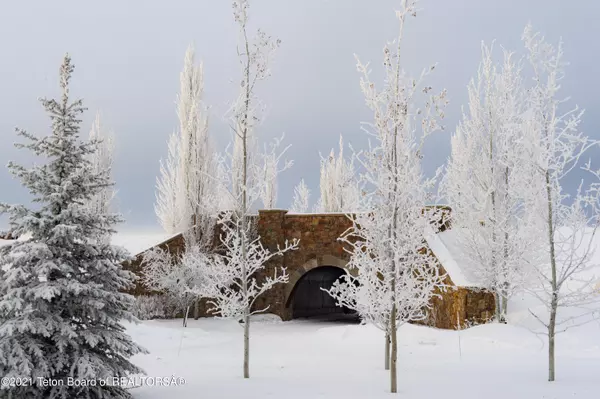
(308, 300)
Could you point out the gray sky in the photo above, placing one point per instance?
(128, 55)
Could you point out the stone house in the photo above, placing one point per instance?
(321, 259)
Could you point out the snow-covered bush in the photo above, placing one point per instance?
(149, 307)
(177, 276)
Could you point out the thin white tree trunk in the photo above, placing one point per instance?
(498, 300)
(551, 336)
(246, 346)
(497, 296)
(244, 210)
(393, 368)
(187, 311)
(387, 350)
(554, 300)
(505, 282)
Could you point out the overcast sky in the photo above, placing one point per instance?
(128, 55)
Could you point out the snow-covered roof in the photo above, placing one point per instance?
(445, 248)
(138, 242)
(135, 242)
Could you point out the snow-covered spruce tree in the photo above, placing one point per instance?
(556, 145)
(60, 291)
(301, 199)
(184, 178)
(338, 183)
(233, 282)
(102, 160)
(489, 183)
(396, 276)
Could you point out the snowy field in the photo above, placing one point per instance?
(317, 359)
(320, 359)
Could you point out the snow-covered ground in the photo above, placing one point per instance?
(316, 359)
(319, 359)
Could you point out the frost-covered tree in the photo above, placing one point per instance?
(167, 186)
(189, 197)
(395, 275)
(301, 198)
(338, 184)
(567, 283)
(489, 183)
(271, 169)
(61, 299)
(269, 194)
(555, 146)
(234, 280)
(102, 160)
(184, 178)
(177, 275)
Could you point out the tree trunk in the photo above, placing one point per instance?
(498, 300)
(554, 283)
(246, 346)
(387, 350)
(185, 318)
(505, 278)
(393, 369)
(551, 336)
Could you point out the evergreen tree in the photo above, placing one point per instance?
(60, 291)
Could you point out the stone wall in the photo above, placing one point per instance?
(175, 245)
(319, 246)
(460, 307)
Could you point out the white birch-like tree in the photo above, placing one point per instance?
(489, 183)
(301, 198)
(187, 195)
(272, 158)
(236, 274)
(396, 276)
(338, 184)
(167, 185)
(555, 146)
(102, 161)
(184, 179)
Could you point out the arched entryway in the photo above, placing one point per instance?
(308, 300)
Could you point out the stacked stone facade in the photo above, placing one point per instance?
(319, 246)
